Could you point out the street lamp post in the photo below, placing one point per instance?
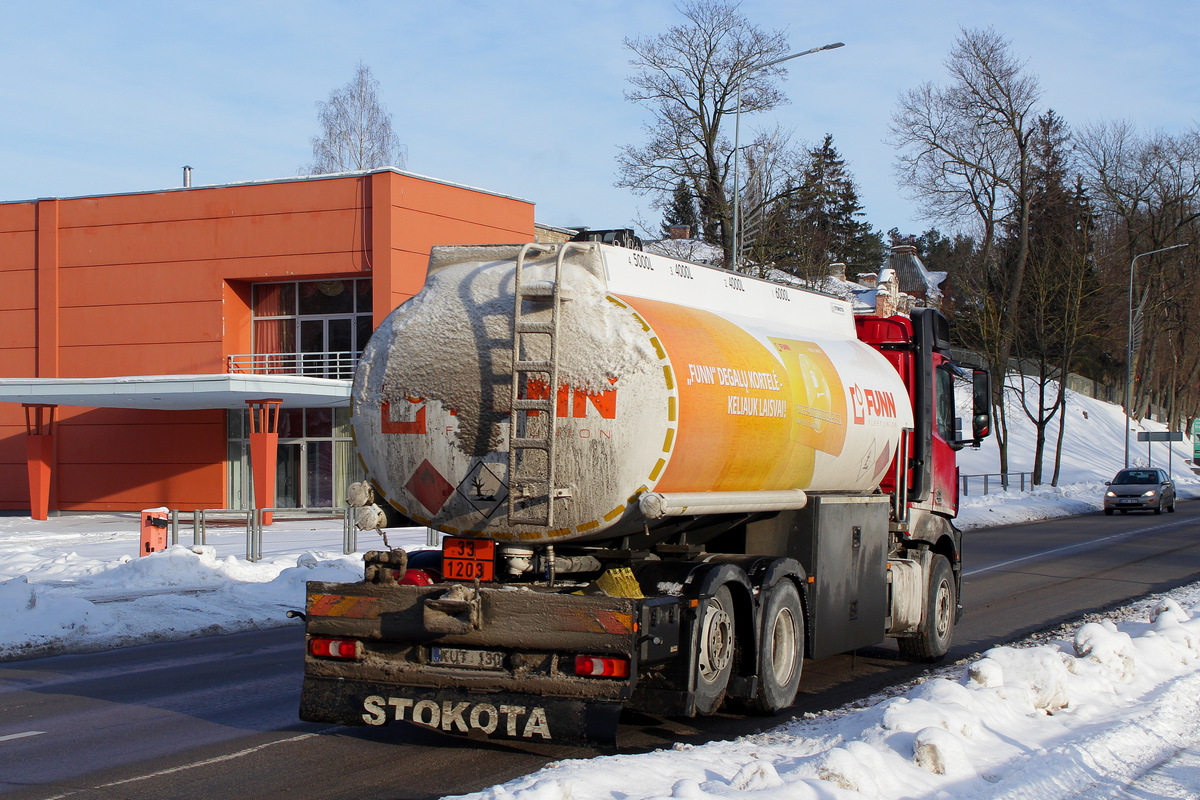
(737, 128)
(1129, 346)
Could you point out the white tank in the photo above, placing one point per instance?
(671, 377)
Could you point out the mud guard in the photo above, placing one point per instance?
(494, 715)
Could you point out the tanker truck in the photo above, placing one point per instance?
(661, 485)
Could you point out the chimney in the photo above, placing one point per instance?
(187, 176)
(680, 231)
(837, 270)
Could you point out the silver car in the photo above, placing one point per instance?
(1140, 489)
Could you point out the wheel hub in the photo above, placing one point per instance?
(716, 643)
(783, 646)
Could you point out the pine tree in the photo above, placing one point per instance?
(821, 220)
(681, 211)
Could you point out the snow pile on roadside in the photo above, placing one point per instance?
(1078, 715)
(173, 594)
(1042, 502)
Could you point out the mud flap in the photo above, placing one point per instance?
(497, 716)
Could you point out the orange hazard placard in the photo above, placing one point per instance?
(468, 559)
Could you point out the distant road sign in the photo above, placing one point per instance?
(1160, 436)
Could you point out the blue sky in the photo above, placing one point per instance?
(523, 97)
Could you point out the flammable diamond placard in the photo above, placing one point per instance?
(429, 487)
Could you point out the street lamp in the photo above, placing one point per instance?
(737, 128)
(1129, 345)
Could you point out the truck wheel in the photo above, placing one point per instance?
(932, 640)
(781, 650)
(714, 652)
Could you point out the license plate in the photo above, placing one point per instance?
(470, 659)
(1133, 501)
(468, 559)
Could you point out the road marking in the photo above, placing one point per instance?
(22, 735)
(183, 767)
(1079, 546)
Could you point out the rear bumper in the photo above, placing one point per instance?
(499, 715)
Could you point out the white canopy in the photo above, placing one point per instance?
(178, 392)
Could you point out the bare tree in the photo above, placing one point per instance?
(356, 130)
(688, 79)
(1059, 281)
(1148, 188)
(965, 150)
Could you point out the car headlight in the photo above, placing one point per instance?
(1110, 493)
(1150, 493)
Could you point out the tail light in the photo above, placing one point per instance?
(334, 648)
(601, 667)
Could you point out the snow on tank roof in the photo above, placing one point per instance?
(638, 274)
(635, 273)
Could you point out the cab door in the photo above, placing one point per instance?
(943, 495)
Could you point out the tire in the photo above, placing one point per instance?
(1171, 507)
(933, 638)
(1108, 512)
(713, 651)
(780, 649)
(1158, 508)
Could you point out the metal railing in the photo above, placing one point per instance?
(318, 365)
(202, 517)
(254, 537)
(254, 524)
(1006, 480)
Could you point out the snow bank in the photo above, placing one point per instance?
(1073, 715)
(173, 594)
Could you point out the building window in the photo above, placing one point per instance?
(316, 328)
(316, 460)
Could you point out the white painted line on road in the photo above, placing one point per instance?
(208, 761)
(181, 768)
(1080, 546)
(22, 735)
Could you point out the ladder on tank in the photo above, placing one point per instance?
(536, 477)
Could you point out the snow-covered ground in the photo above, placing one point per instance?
(1084, 712)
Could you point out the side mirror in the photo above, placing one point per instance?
(981, 419)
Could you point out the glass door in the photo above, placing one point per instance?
(339, 341)
(327, 347)
(288, 472)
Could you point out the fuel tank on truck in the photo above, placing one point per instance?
(670, 377)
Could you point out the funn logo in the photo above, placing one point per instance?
(871, 402)
(604, 402)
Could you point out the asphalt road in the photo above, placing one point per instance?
(216, 717)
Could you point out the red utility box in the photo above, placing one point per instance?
(154, 531)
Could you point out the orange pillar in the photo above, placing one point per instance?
(39, 456)
(264, 451)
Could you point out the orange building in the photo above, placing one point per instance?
(144, 335)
